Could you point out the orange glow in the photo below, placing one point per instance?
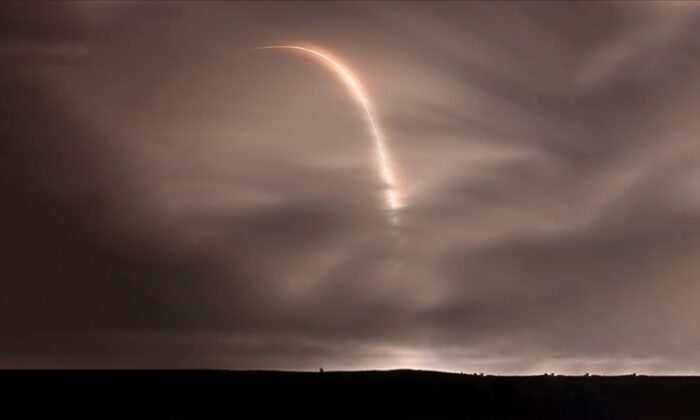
(355, 88)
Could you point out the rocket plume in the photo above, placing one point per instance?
(346, 76)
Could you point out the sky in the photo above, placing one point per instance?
(170, 199)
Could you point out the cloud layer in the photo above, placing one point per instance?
(172, 201)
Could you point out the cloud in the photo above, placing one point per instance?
(171, 202)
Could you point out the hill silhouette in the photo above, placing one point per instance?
(400, 394)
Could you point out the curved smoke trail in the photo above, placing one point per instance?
(342, 71)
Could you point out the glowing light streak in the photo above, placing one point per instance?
(346, 76)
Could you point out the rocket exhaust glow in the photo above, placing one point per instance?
(346, 76)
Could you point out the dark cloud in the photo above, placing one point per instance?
(170, 200)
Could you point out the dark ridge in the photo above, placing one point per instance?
(399, 394)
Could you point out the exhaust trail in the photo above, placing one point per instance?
(386, 173)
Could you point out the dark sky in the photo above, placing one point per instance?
(168, 200)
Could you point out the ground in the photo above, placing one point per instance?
(402, 394)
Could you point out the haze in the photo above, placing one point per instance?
(169, 202)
